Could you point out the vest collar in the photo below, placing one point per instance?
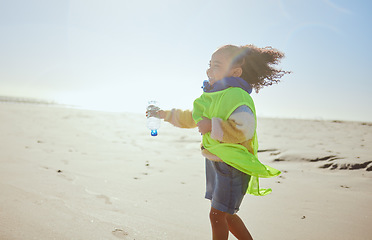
(226, 83)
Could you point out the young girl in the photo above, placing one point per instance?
(225, 115)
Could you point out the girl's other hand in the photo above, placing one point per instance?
(205, 125)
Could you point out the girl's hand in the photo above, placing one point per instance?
(205, 125)
(158, 114)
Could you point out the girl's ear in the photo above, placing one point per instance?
(237, 72)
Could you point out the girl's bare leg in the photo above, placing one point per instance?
(222, 223)
(220, 228)
(237, 227)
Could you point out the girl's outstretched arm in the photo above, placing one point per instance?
(178, 118)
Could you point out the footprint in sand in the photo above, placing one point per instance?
(119, 233)
(107, 199)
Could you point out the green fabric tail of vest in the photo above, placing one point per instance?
(221, 104)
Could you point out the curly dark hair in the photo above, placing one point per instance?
(256, 63)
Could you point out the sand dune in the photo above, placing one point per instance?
(76, 174)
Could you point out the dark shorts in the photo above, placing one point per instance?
(226, 186)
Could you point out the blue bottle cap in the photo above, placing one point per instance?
(154, 133)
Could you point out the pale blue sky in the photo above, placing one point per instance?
(117, 54)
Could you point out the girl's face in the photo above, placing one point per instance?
(220, 67)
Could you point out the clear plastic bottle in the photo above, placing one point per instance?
(153, 123)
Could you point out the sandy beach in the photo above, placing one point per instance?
(77, 174)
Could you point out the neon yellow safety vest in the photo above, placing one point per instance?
(221, 105)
